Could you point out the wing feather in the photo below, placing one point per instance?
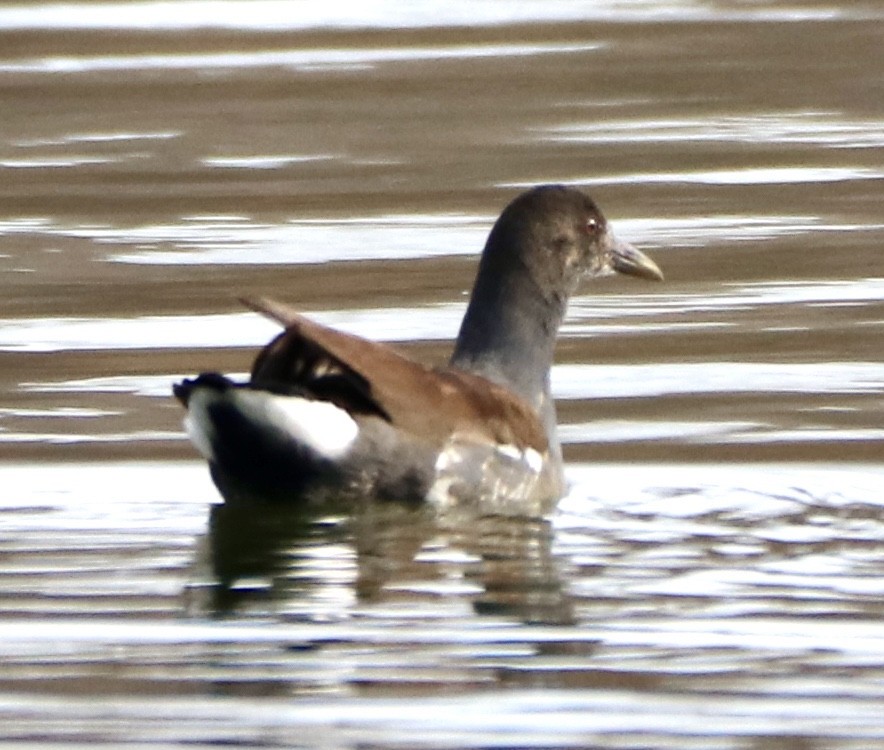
(374, 378)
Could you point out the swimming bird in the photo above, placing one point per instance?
(326, 415)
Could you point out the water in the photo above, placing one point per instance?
(713, 577)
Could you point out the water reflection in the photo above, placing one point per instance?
(747, 597)
(305, 565)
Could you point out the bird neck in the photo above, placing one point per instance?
(508, 334)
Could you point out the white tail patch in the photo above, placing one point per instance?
(324, 428)
(197, 424)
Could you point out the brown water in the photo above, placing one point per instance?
(715, 576)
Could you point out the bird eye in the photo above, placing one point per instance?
(592, 226)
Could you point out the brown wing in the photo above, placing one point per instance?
(373, 378)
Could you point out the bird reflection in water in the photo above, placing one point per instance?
(308, 565)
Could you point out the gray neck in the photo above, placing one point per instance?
(508, 335)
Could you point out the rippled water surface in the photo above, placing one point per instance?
(714, 577)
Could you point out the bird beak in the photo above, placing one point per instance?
(627, 260)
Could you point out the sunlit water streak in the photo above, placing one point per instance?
(495, 719)
(262, 162)
(296, 59)
(751, 491)
(636, 381)
(605, 381)
(858, 638)
(786, 175)
(278, 15)
(590, 315)
(54, 162)
(233, 240)
(705, 433)
(90, 491)
(238, 240)
(97, 137)
(72, 437)
(829, 129)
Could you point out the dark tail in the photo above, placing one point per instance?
(182, 390)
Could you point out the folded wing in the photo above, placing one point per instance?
(370, 378)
